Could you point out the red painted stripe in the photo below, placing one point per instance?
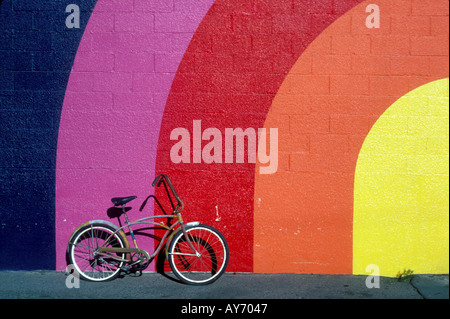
(228, 78)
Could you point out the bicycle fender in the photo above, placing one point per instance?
(105, 222)
(192, 224)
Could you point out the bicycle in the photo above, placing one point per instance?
(197, 254)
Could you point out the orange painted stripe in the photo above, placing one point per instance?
(325, 108)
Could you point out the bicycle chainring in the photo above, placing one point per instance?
(140, 262)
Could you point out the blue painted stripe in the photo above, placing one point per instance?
(36, 56)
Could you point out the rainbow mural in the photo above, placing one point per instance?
(362, 117)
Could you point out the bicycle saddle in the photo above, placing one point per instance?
(119, 201)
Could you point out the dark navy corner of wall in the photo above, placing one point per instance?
(36, 55)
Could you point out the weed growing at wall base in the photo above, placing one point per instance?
(234, 152)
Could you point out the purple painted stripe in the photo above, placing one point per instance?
(113, 108)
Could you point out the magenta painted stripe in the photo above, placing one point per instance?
(113, 108)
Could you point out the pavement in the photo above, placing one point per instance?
(231, 286)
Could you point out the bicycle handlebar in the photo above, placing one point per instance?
(159, 179)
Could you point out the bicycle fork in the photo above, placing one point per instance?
(183, 229)
(197, 254)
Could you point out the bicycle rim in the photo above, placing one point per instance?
(204, 268)
(89, 266)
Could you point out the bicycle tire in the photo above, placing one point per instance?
(80, 252)
(206, 268)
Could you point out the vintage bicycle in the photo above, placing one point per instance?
(197, 254)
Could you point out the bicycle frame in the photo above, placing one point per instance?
(179, 225)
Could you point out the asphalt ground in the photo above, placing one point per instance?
(54, 285)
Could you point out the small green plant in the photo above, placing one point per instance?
(406, 276)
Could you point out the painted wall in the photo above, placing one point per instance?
(362, 119)
(36, 56)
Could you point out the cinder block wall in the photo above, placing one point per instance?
(36, 56)
(361, 111)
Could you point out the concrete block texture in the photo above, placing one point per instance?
(356, 90)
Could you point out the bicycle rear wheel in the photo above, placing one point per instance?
(206, 266)
(82, 252)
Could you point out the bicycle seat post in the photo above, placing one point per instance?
(129, 227)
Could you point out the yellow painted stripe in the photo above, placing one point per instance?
(401, 204)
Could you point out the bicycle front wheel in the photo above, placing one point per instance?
(207, 263)
(83, 248)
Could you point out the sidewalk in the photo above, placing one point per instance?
(52, 285)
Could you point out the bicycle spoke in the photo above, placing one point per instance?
(92, 266)
(205, 267)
